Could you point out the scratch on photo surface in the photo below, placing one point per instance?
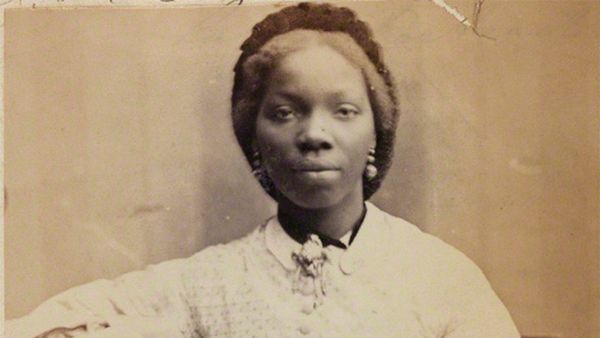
(115, 246)
(147, 209)
(463, 19)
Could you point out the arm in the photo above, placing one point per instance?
(149, 300)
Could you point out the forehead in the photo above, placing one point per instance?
(318, 68)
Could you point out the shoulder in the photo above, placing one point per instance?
(410, 238)
(216, 264)
(447, 283)
(222, 261)
(428, 257)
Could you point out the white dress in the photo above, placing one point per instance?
(393, 281)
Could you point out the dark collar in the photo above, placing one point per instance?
(299, 231)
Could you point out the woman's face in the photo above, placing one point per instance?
(315, 127)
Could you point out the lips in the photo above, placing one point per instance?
(316, 172)
(314, 166)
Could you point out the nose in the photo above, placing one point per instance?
(314, 134)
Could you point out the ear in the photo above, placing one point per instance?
(373, 140)
(373, 134)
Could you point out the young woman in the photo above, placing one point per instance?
(314, 112)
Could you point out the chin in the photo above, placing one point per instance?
(315, 198)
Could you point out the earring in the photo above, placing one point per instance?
(260, 173)
(371, 169)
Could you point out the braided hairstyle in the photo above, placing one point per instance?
(256, 62)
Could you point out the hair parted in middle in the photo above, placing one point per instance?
(292, 29)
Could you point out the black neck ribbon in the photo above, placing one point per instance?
(300, 231)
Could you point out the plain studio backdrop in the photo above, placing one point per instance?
(120, 152)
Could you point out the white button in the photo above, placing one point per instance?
(347, 264)
(308, 306)
(304, 329)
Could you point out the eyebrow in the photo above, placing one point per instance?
(288, 95)
(291, 96)
(338, 94)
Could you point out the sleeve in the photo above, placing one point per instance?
(477, 310)
(150, 300)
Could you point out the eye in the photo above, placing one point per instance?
(283, 113)
(346, 111)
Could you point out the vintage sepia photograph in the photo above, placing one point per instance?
(406, 168)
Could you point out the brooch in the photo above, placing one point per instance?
(309, 272)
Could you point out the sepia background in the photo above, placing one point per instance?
(119, 150)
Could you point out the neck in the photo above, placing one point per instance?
(333, 221)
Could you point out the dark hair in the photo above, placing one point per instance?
(254, 66)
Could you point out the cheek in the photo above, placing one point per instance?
(357, 141)
(357, 156)
(357, 153)
(272, 144)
